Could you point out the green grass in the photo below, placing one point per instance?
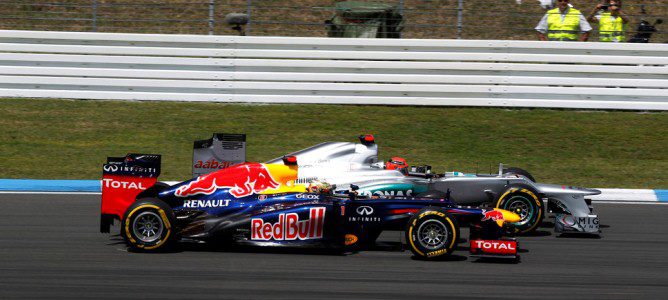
(67, 139)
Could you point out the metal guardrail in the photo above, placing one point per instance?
(327, 70)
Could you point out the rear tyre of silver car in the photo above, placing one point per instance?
(518, 171)
(524, 201)
(432, 233)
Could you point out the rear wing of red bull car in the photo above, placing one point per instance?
(123, 178)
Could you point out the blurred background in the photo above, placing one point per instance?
(421, 19)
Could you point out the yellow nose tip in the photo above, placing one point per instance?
(508, 217)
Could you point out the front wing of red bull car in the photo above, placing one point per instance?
(260, 205)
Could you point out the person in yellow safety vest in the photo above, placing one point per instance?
(611, 21)
(563, 23)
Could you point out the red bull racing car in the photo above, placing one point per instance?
(262, 205)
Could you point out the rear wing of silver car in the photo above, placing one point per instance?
(221, 151)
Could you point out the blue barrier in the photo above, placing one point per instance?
(661, 195)
(36, 185)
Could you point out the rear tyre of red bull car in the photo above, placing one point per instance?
(524, 201)
(147, 226)
(432, 233)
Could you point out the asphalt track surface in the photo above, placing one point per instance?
(50, 247)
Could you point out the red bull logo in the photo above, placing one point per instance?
(289, 227)
(242, 180)
(493, 215)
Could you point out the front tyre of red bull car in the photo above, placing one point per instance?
(432, 233)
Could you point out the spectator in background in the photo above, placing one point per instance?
(563, 23)
(611, 21)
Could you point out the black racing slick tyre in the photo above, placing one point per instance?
(519, 171)
(432, 233)
(147, 225)
(524, 201)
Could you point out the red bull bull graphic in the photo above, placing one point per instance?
(242, 180)
(493, 215)
(289, 227)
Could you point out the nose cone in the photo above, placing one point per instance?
(508, 216)
(284, 175)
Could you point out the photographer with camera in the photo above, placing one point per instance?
(612, 21)
(563, 23)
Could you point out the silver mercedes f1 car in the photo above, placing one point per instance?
(346, 164)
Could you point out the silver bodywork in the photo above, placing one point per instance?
(343, 164)
(219, 152)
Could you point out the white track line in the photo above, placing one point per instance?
(50, 193)
(629, 202)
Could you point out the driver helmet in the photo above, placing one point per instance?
(319, 187)
(396, 163)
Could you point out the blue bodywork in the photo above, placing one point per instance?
(246, 220)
